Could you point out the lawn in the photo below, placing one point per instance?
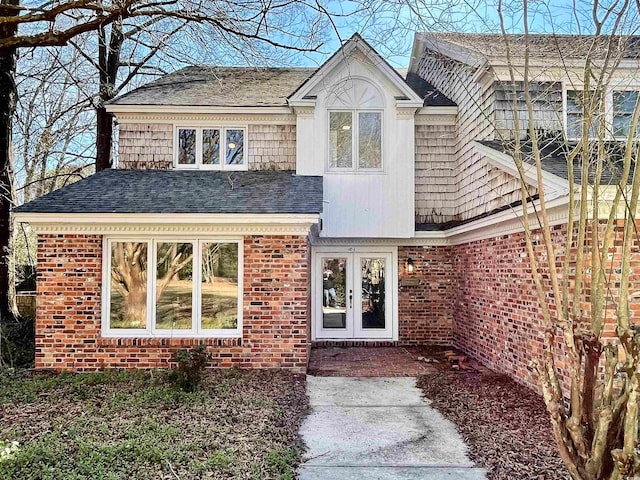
(137, 425)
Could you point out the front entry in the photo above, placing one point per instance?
(353, 295)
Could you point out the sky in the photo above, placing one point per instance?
(391, 25)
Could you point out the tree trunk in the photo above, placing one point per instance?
(8, 98)
(135, 304)
(104, 132)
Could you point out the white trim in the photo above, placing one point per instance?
(357, 43)
(553, 183)
(170, 223)
(207, 118)
(346, 247)
(196, 109)
(222, 147)
(433, 110)
(196, 308)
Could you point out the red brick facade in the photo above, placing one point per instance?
(426, 296)
(68, 319)
(497, 314)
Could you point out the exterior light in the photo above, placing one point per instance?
(409, 265)
(232, 146)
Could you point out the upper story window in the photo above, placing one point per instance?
(216, 148)
(355, 140)
(355, 107)
(575, 115)
(624, 103)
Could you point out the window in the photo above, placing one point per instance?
(173, 288)
(210, 148)
(624, 103)
(355, 135)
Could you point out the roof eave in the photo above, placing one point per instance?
(197, 109)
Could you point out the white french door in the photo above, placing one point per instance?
(353, 295)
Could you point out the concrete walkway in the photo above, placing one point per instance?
(379, 428)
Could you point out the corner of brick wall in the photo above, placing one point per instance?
(68, 312)
(497, 317)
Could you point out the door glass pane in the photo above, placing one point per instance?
(340, 139)
(128, 293)
(369, 140)
(334, 293)
(174, 286)
(219, 286)
(373, 292)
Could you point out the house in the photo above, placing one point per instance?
(263, 211)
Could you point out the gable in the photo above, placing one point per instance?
(353, 65)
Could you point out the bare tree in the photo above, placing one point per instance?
(293, 25)
(583, 276)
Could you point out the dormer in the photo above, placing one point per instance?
(355, 126)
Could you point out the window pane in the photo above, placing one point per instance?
(575, 116)
(186, 146)
(574, 101)
(235, 147)
(369, 140)
(174, 286)
(128, 302)
(624, 103)
(219, 285)
(340, 139)
(211, 147)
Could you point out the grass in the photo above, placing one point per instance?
(137, 425)
(174, 307)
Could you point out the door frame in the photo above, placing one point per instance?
(316, 288)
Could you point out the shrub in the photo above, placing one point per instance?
(8, 450)
(17, 341)
(190, 365)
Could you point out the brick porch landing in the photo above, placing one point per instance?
(366, 362)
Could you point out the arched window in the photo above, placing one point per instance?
(355, 109)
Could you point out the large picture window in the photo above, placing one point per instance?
(213, 148)
(173, 288)
(355, 140)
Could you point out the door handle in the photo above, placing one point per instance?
(350, 298)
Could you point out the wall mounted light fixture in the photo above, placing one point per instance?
(409, 265)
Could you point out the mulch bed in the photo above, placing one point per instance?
(505, 424)
(137, 425)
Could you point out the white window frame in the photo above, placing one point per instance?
(355, 130)
(151, 331)
(223, 147)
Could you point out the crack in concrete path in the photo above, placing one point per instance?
(379, 428)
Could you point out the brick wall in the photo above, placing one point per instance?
(426, 309)
(68, 322)
(150, 146)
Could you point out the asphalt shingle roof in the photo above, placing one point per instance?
(543, 45)
(220, 87)
(241, 87)
(428, 92)
(179, 191)
(554, 159)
